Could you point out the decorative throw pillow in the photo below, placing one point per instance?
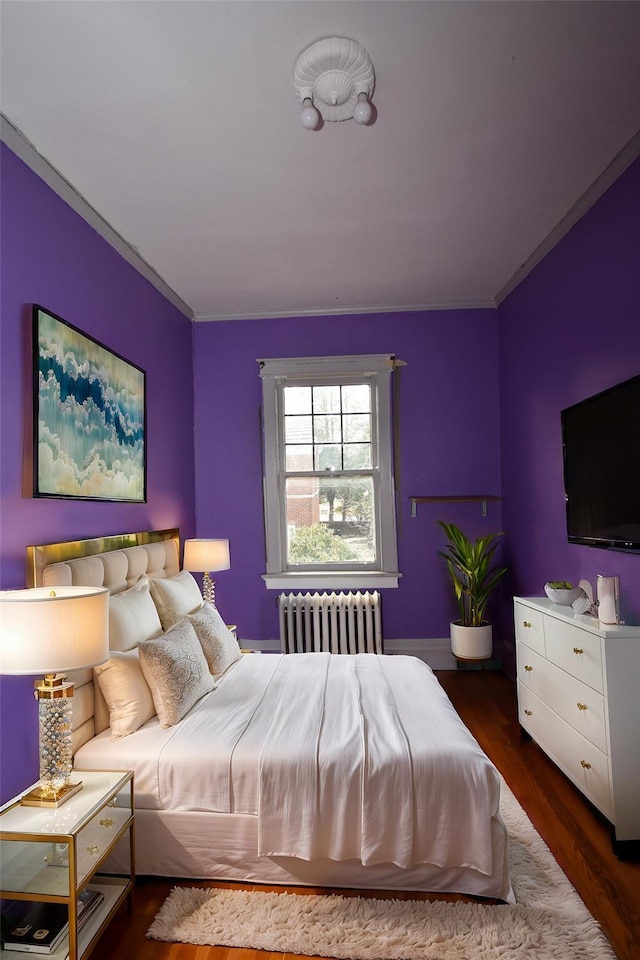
(132, 617)
(174, 597)
(176, 671)
(218, 643)
(126, 693)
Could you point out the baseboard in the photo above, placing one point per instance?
(434, 651)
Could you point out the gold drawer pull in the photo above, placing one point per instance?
(528, 668)
(108, 822)
(525, 623)
(581, 706)
(578, 650)
(529, 713)
(585, 765)
(93, 849)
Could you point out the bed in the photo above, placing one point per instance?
(312, 769)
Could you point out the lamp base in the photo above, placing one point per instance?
(209, 590)
(43, 796)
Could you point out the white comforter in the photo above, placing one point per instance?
(358, 758)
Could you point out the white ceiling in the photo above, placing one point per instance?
(177, 122)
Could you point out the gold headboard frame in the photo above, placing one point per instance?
(42, 555)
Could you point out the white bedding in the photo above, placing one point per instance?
(357, 757)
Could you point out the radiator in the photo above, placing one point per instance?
(330, 622)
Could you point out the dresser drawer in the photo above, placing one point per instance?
(533, 670)
(581, 706)
(529, 627)
(583, 763)
(576, 651)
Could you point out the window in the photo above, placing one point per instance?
(329, 496)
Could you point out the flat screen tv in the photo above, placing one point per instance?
(601, 449)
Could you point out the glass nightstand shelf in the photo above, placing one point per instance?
(52, 854)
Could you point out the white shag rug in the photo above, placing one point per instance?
(548, 922)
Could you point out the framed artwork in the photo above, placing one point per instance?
(89, 417)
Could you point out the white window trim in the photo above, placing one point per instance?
(277, 577)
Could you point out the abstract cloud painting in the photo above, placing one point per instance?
(89, 416)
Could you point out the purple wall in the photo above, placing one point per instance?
(448, 441)
(571, 329)
(479, 413)
(52, 257)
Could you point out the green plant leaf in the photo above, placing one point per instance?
(472, 576)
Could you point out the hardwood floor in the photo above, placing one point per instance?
(576, 834)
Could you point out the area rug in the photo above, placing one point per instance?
(548, 922)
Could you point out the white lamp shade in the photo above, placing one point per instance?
(204, 556)
(45, 630)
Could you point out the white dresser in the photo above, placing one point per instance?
(579, 699)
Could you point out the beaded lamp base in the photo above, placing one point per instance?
(55, 719)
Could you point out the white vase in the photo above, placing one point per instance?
(608, 599)
(471, 643)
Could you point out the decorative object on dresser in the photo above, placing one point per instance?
(608, 592)
(584, 603)
(474, 580)
(205, 556)
(578, 699)
(562, 592)
(51, 632)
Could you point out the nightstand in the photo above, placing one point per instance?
(52, 854)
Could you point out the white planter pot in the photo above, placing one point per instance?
(471, 643)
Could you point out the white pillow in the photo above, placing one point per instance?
(176, 596)
(126, 693)
(218, 643)
(176, 671)
(132, 617)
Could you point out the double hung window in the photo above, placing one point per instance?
(329, 497)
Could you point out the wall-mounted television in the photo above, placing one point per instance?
(601, 450)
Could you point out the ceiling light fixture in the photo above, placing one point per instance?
(334, 79)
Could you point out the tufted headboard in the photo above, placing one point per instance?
(116, 562)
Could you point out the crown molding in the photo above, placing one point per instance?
(344, 311)
(27, 152)
(608, 176)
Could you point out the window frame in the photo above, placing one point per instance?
(375, 369)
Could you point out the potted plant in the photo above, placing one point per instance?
(474, 579)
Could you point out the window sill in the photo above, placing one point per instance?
(373, 580)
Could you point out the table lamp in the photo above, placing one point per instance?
(203, 556)
(50, 631)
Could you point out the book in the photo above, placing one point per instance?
(44, 925)
(91, 900)
(40, 930)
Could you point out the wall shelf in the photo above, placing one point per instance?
(482, 498)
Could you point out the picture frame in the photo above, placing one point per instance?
(89, 416)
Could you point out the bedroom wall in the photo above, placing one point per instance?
(52, 257)
(448, 443)
(571, 329)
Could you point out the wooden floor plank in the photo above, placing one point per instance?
(577, 835)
